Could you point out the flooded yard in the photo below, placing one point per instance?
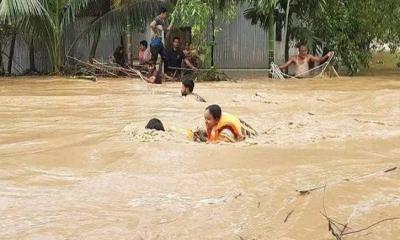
(70, 169)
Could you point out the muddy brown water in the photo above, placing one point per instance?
(68, 170)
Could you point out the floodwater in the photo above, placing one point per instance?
(71, 167)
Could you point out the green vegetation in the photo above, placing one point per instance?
(47, 21)
(348, 27)
(382, 63)
(205, 17)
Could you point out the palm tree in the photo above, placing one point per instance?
(45, 20)
(123, 16)
(48, 20)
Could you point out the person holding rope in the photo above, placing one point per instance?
(302, 61)
(175, 57)
(153, 76)
(191, 55)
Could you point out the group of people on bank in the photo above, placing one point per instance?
(174, 59)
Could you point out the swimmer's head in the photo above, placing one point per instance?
(155, 124)
(187, 87)
(212, 115)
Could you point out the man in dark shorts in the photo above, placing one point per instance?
(157, 27)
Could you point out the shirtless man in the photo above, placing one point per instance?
(302, 60)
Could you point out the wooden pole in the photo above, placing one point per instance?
(32, 67)
(2, 71)
(129, 44)
(213, 35)
(285, 42)
(95, 43)
(11, 55)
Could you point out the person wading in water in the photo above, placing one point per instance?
(187, 90)
(302, 61)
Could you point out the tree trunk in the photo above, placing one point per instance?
(95, 43)
(213, 36)
(32, 67)
(285, 38)
(121, 40)
(129, 44)
(1, 61)
(11, 55)
(287, 47)
(271, 41)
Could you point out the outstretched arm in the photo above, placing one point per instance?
(321, 59)
(287, 64)
(189, 64)
(199, 98)
(153, 25)
(151, 79)
(168, 30)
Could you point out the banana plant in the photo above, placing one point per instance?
(44, 21)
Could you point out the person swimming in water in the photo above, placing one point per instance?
(155, 124)
(225, 127)
(153, 76)
(220, 127)
(187, 90)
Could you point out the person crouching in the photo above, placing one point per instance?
(225, 127)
